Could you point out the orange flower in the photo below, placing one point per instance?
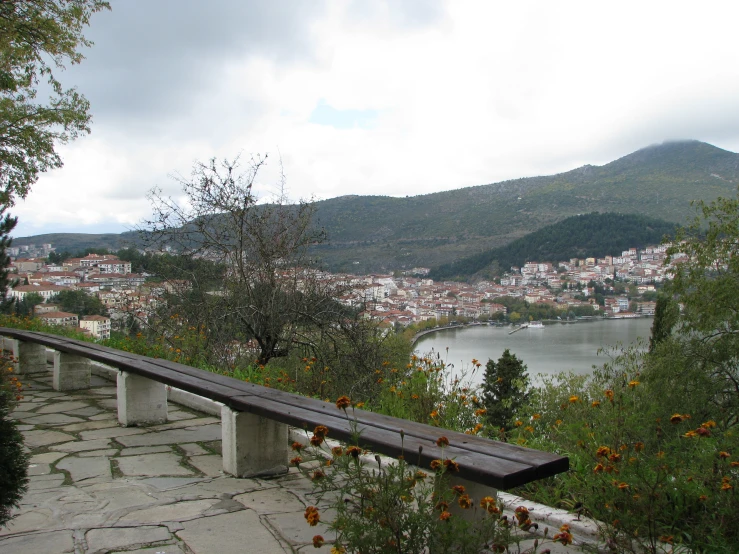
(320, 431)
(296, 446)
(595, 403)
(459, 489)
(480, 412)
(536, 416)
(337, 451)
(574, 399)
(623, 486)
(734, 464)
(702, 498)
(726, 487)
(444, 516)
(602, 451)
(690, 434)
(442, 442)
(318, 475)
(312, 516)
(316, 440)
(451, 466)
(435, 464)
(529, 428)
(518, 423)
(708, 424)
(318, 541)
(434, 414)
(441, 506)
(421, 475)
(723, 454)
(565, 537)
(488, 504)
(598, 468)
(296, 460)
(633, 384)
(676, 418)
(703, 432)
(465, 502)
(608, 394)
(354, 451)
(639, 446)
(343, 402)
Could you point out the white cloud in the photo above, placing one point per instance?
(465, 93)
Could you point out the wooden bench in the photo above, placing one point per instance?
(255, 419)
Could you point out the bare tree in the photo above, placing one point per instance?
(262, 285)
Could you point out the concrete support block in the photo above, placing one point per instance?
(477, 492)
(70, 372)
(140, 400)
(7, 344)
(253, 446)
(31, 358)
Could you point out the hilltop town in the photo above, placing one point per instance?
(613, 286)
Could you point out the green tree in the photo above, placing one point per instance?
(79, 302)
(29, 302)
(666, 313)
(705, 260)
(7, 224)
(37, 37)
(505, 389)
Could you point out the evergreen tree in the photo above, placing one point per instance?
(13, 461)
(505, 389)
(666, 313)
(7, 224)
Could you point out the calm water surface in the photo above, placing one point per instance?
(557, 347)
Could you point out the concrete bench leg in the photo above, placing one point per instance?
(70, 372)
(31, 358)
(253, 445)
(477, 492)
(140, 400)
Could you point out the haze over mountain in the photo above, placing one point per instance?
(376, 233)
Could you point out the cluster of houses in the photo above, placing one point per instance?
(405, 298)
(105, 276)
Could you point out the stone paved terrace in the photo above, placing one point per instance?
(97, 487)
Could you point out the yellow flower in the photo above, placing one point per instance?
(574, 399)
(633, 384)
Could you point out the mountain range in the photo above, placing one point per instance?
(382, 233)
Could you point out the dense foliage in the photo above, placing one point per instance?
(13, 460)
(652, 436)
(36, 37)
(581, 236)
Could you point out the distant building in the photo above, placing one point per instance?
(64, 319)
(97, 325)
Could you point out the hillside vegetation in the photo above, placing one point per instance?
(377, 233)
(591, 235)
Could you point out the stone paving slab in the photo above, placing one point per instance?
(97, 487)
(57, 407)
(149, 465)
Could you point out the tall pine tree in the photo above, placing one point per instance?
(505, 389)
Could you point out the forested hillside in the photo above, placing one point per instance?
(380, 233)
(581, 236)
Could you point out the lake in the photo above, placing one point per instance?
(557, 347)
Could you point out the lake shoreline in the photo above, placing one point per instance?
(586, 319)
(565, 347)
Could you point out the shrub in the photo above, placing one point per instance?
(13, 461)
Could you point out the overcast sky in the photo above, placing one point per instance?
(395, 97)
